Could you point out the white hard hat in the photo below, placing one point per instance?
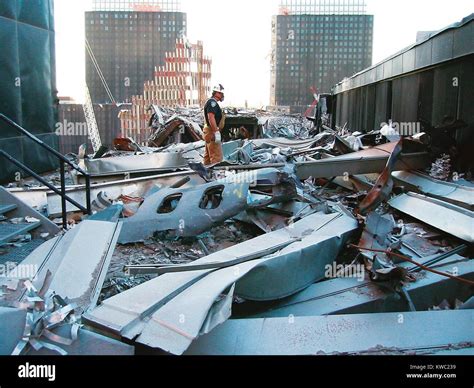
(218, 88)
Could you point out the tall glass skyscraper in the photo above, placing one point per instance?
(127, 39)
(316, 44)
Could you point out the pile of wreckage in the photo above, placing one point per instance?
(299, 243)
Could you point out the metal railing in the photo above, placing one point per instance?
(62, 161)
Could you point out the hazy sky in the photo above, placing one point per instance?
(237, 35)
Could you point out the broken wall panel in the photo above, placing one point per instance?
(449, 218)
(135, 163)
(273, 276)
(78, 262)
(184, 81)
(352, 296)
(49, 202)
(451, 192)
(364, 162)
(43, 198)
(356, 334)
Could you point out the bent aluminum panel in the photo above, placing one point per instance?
(125, 312)
(135, 163)
(444, 216)
(42, 197)
(458, 194)
(351, 296)
(327, 335)
(286, 272)
(373, 160)
(153, 312)
(78, 261)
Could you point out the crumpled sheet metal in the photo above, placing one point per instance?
(378, 229)
(169, 312)
(451, 192)
(329, 335)
(176, 123)
(352, 296)
(288, 127)
(373, 160)
(241, 154)
(164, 161)
(87, 343)
(45, 312)
(298, 145)
(78, 261)
(384, 185)
(12, 323)
(449, 218)
(42, 197)
(187, 219)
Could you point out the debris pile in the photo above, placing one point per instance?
(334, 231)
(441, 168)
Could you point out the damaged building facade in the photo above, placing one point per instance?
(139, 35)
(184, 81)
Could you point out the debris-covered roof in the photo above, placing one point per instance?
(333, 230)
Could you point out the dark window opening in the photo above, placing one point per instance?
(212, 198)
(169, 204)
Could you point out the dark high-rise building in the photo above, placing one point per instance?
(315, 45)
(127, 39)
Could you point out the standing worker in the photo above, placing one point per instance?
(215, 123)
